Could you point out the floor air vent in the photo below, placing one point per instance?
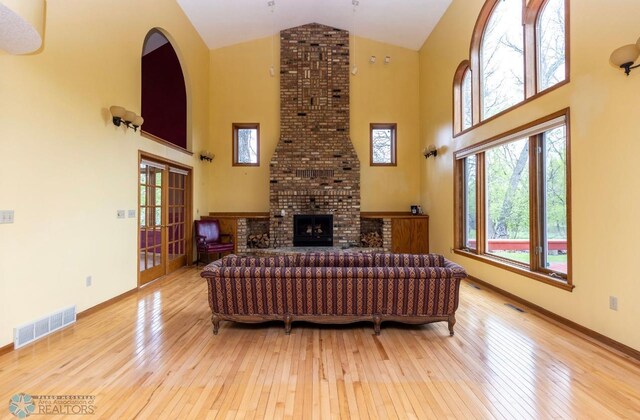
(514, 307)
(32, 331)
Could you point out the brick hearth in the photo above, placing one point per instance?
(315, 169)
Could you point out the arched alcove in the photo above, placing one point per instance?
(164, 94)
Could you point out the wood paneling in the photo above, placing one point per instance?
(153, 355)
(420, 236)
(401, 235)
(410, 235)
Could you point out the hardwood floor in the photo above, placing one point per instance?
(153, 355)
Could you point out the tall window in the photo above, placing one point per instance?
(465, 92)
(383, 144)
(502, 58)
(551, 44)
(553, 200)
(470, 164)
(246, 144)
(507, 174)
(520, 184)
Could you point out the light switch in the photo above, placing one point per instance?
(6, 216)
(131, 214)
(120, 214)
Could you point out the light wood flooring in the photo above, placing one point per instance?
(153, 355)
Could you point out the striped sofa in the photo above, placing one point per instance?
(334, 287)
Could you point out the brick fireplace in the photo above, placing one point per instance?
(315, 169)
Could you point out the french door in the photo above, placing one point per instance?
(164, 218)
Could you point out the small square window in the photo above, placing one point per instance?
(246, 144)
(383, 144)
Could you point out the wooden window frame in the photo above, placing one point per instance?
(394, 142)
(530, 14)
(534, 268)
(458, 104)
(234, 132)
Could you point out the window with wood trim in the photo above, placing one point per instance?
(502, 59)
(383, 144)
(551, 44)
(246, 144)
(512, 200)
(519, 51)
(462, 98)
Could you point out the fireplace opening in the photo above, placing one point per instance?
(313, 230)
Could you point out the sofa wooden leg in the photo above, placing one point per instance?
(287, 324)
(452, 322)
(215, 320)
(377, 321)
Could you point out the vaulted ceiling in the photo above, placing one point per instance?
(406, 23)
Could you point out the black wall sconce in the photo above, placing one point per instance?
(625, 56)
(208, 156)
(129, 118)
(430, 151)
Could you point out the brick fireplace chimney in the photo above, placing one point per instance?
(315, 169)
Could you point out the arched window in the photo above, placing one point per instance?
(164, 94)
(502, 75)
(551, 44)
(465, 92)
(517, 52)
(462, 97)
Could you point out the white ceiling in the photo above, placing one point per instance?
(406, 23)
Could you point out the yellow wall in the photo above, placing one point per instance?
(241, 90)
(65, 169)
(605, 121)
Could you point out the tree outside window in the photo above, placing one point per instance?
(383, 144)
(246, 144)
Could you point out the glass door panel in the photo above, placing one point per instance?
(177, 220)
(151, 255)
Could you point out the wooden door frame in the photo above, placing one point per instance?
(188, 211)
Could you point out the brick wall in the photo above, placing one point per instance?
(315, 168)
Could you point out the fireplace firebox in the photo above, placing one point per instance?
(313, 230)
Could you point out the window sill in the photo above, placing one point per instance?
(511, 108)
(255, 165)
(514, 268)
(164, 142)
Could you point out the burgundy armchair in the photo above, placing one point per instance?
(210, 240)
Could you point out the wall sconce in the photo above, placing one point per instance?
(129, 118)
(206, 155)
(430, 151)
(625, 56)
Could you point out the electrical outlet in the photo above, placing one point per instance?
(88, 281)
(120, 214)
(131, 214)
(613, 303)
(6, 216)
